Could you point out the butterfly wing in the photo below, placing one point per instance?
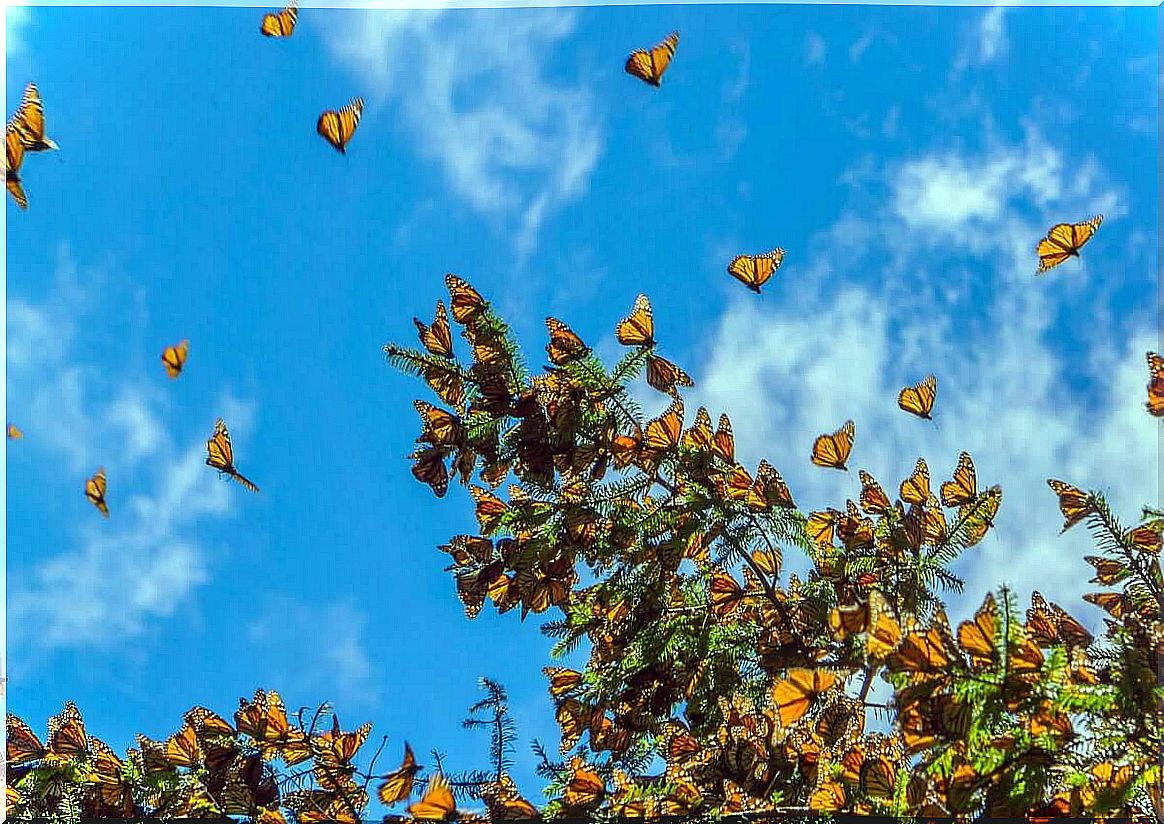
(1155, 402)
(13, 157)
(438, 802)
(29, 121)
(95, 491)
(649, 64)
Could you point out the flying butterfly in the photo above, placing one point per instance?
(13, 157)
(437, 804)
(220, 455)
(1074, 503)
(397, 784)
(637, 328)
(14, 432)
(919, 398)
(1064, 240)
(29, 122)
(174, 358)
(280, 23)
(832, 450)
(649, 64)
(337, 127)
(438, 338)
(754, 270)
(1155, 401)
(95, 491)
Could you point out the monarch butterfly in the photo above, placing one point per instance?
(22, 744)
(637, 328)
(29, 122)
(832, 451)
(334, 749)
(66, 735)
(183, 748)
(397, 784)
(280, 23)
(978, 637)
(1074, 503)
(916, 488)
(873, 498)
(649, 64)
(95, 491)
(13, 157)
(562, 680)
(883, 631)
(430, 469)
(754, 270)
(878, 778)
(964, 487)
(564, 345)
(794, 695)
(980, 516)
(585, 787)
(919, 398)
(1155, 402)
(464, 301)
(662, 434)
(438, 338)
(665, 376)
(772, 486)
(821, 526)
(14, 432)
(337, 127)
(1064, 240)
(174, 358)
(220, 455)
(437, 804)
(504, 802)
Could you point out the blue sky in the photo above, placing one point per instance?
(908, 159)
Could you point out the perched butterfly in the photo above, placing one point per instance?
(585, 788)
(66, 735)
(337, 127)
(95, 491)
(916, 488)
(649, 64)
(1064, 240)
(13, 157)
(464, 301)
(964, 487)
(430, 469)
(794, 695)
(437, 804)
(29, 122)
(754, 270)
(1155, 402)
(174, 358)
(637, 328)
(665, 376)
(832, 451)
(14, 432)
(1074, 503)
(281, 23)
(183, 748)
(504, 802)
(438, 338)
(919, 398)
(977, 638)
(220, 455)
(873, 498)
(1049, 624)
(22, 744)
(564, 345)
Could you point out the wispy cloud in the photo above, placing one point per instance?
(471, 86)
(145, 561)
(16, 20)
(947, 286)
(329, 638)
(814, 49)
(986, 42)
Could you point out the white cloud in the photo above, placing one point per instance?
(144, 561)
(879, 303)
(338, 662)
(16, 20)
(986, 43)
(814, 49)
(860, 45)
(471, 87)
